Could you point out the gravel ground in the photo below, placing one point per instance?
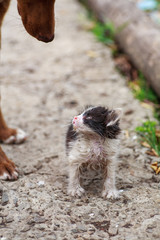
(43, 86)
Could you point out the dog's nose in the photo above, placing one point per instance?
(45, 39)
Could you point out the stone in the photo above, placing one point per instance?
(25, 228)
(5, 198)
(15, 201)
(1, 188)
(9, 219)
(112, 230)
(81, 227)
(126, 152)
(38, 219)
(41, 183)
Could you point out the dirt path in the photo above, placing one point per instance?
(43, 86)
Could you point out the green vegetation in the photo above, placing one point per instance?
(142, 91)
(148, 132)
(157, 112)
(105, 33)
(150, 136)
(158, 4)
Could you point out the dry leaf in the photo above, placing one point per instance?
(146, 105)
(92, 54)
(152, 152)
(88, 26)
(156, 154)
(155, 166)
(157, 133)
(145, 144)
(134, 85)
(158, 170)
(123, 63)
(126, 134)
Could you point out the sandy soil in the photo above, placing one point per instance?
(43, 86)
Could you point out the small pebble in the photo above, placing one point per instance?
(15, 201)
(91, 215)
(26, 228)
(5, 198)
(134, 137)
(81, 227)
(41, 183)
(113, 230)
(9, 219)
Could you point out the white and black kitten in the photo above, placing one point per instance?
(92, 141)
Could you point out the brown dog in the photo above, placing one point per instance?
(38, 19)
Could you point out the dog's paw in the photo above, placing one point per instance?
(17, 136)
(8, 170)
(76, 191)
(110, 194)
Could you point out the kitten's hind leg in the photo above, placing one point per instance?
(74, 187)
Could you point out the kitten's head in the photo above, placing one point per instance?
(98, 120)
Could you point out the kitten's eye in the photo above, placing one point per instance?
(88, 117)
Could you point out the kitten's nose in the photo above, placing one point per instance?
(75, 118)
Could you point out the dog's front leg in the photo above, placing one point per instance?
(8, 135)
(109, 188)
(74, 187)
(3, 9)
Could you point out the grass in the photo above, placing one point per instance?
(157, 112)
(104, 33)
(150, 136)
(148, 132)
(142, 91)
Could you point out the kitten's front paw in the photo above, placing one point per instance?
(110, 194)
(76, 191)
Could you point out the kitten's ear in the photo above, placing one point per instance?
(114, 116)
(119, 112)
